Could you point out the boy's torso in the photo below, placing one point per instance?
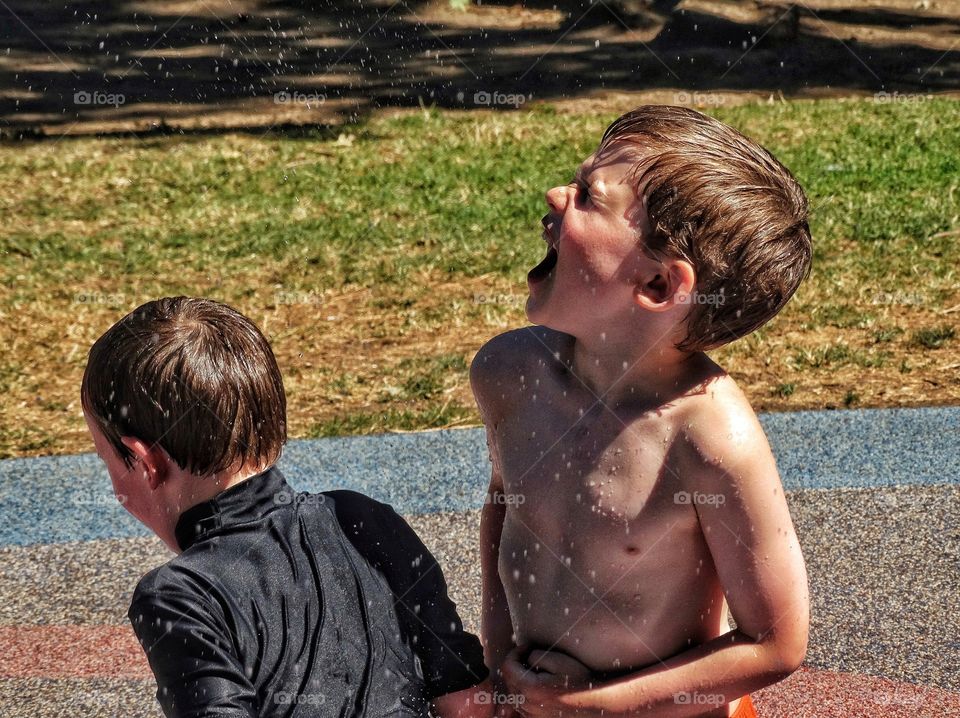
(599, 556)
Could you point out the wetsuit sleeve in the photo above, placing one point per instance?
(451, 658)
(191, 656)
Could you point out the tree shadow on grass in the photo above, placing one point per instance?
(263, 65)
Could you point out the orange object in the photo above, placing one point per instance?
(745, 709)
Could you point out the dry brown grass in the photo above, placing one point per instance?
(352, 352)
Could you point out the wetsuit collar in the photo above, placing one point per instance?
(250, 500)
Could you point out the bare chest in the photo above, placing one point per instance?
(595, 466)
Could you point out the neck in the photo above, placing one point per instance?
(629, 369)
(183, 490)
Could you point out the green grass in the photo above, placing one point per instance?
(429, 377)
(933, 338)
(453, 196)
(392, 420)
(785, 389)
(839, 355)
(885, 335)
(461, 193)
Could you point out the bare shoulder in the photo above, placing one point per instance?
(502, 360)
(721, 429)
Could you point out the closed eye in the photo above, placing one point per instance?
(583, 191)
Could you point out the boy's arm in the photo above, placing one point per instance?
(757, 557)
(496, 630)
(451, 658)
(191, 656)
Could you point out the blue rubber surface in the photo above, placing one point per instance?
(68, 498)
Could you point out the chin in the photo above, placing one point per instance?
(536, 312)
(540, 315)
(531, 311)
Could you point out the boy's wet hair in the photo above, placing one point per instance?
(192, 376)
(723, 203)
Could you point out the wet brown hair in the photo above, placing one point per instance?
(192, 376)
(722, 202)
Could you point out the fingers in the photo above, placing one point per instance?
(557, 663)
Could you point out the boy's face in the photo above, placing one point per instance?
(594, 257)
(131, 489)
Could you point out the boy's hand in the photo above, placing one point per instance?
(545, 683)
(557, 663)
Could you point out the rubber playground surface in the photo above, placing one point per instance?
(875, 495)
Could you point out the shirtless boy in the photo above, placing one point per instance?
(634, 502)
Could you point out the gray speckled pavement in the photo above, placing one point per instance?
(877, 519)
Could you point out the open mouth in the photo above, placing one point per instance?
(545, 268)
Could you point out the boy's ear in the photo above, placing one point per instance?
(670, 283)
(153, 459)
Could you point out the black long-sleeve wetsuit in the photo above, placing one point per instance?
(299, 605)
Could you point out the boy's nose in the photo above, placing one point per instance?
(557, 199)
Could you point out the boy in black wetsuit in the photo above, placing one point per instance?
(278, 603)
